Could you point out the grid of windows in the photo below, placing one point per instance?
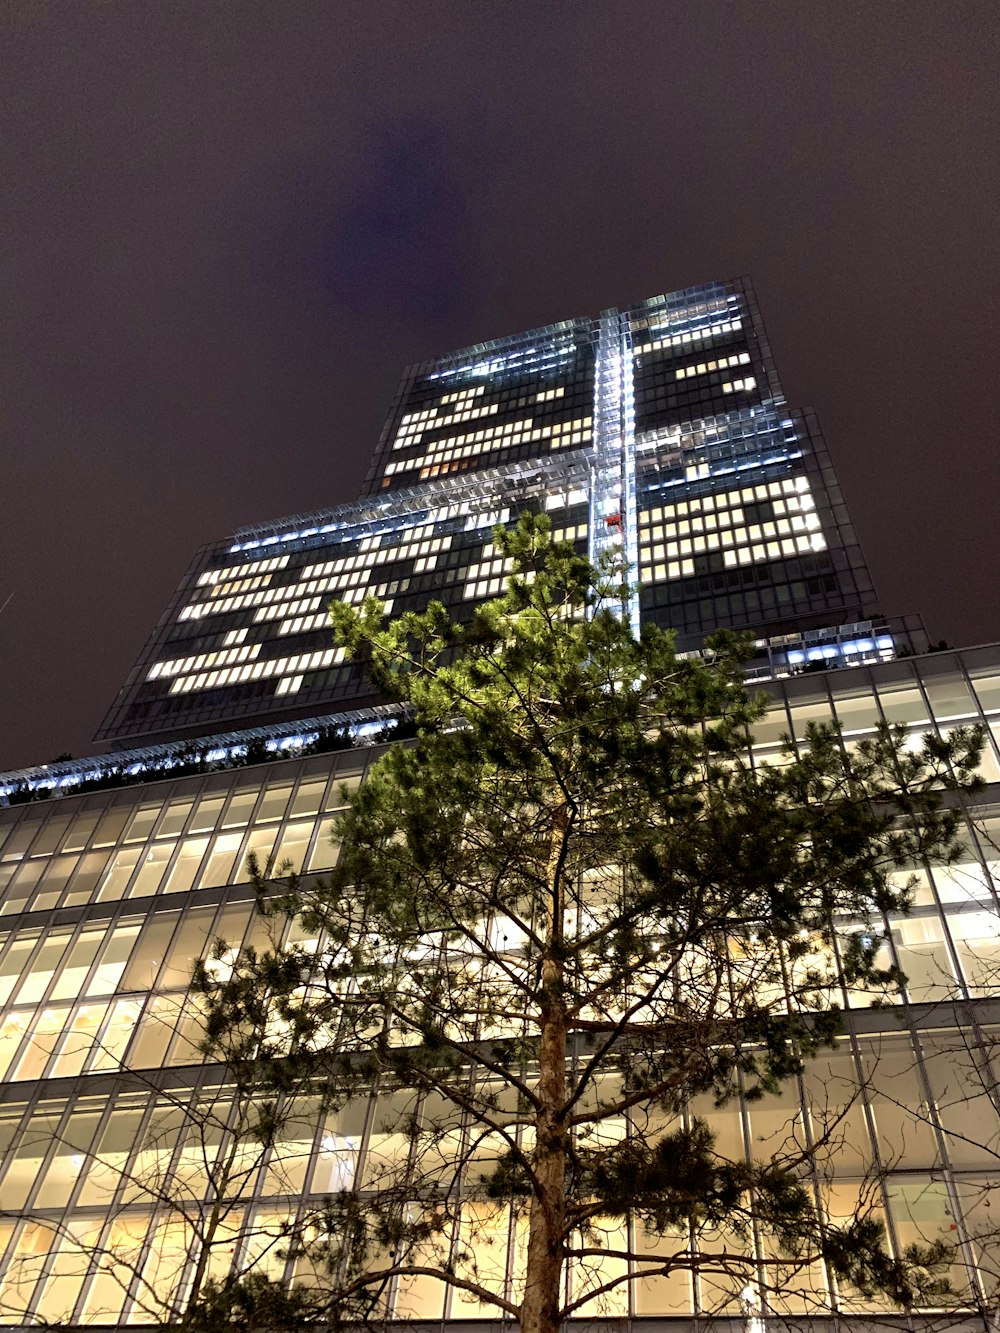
(736, 527)
(165, 839)
(689, 338)
(446, 451)
(153, 876)
(706, 367)
(685, 348)
(77, 1156)
(666, 393)
(108, 898)
(785, 562)
(348, 577)
(488, 577)
(521, 397)
(267, 636)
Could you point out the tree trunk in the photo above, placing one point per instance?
(547, 1214)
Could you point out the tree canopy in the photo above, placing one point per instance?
(565, 916)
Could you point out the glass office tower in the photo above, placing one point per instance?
(659, 429)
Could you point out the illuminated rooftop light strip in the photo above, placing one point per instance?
(717, 468)
(277, 736)
(735, 434)
(711, 297)
(853, 647)
(403, 507)
(529, 356)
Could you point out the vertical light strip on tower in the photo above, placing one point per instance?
(630, 523)
(613, 491)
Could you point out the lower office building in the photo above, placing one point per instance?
(108, 897)
(623, 430)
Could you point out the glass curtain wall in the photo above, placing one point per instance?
(107, 1108)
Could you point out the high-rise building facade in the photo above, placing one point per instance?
(659, 429)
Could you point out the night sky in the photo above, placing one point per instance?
(226, 227)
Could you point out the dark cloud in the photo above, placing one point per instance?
(226, 228)
(404, 240)
(396, 233)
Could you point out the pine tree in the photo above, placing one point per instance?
(563, 913)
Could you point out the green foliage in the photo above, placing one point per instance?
(253, 1301)
(566, 908)
(856, 1254)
